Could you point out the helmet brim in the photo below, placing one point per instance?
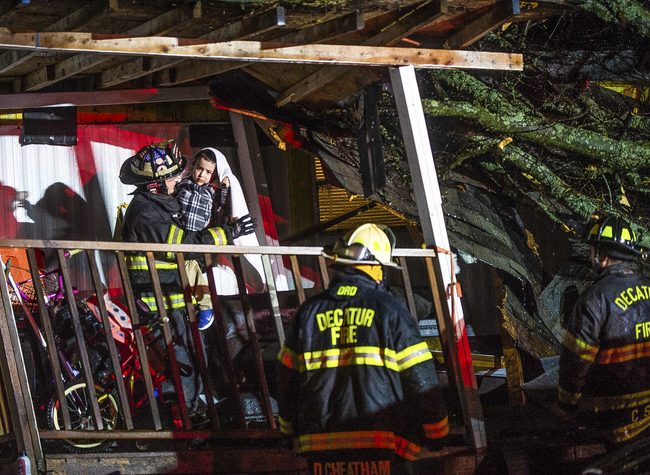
(636, 251)
(353, 262)
(129, 177)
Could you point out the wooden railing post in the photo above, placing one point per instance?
(22, 409)
(80, 339)
(14, 376)
(429, 203)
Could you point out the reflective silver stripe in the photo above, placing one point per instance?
(175, 235)
(171, 301)
(140, 263)
(219, 236)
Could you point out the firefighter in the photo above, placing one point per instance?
(153, 216)
(605, 357)
(357, 384)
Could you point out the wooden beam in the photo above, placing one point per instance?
(192, 70)
(255, 51)
(13, 58)
(14, 377)
(254, 182)
(490, 20)
(247, 28)
(326, 31)
(389, 36)
(98, 98)
(79, 63)
(451, 322)
(7, 5)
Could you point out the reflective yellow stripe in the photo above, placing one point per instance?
(140, 263)
(567, 397)
(358, 440)
(624, 401)
(337, 357)
(625, 353)
(171, 301)
(285, 426)
(580, 347)
(413, 355)
(219, 236)
(363, 355)
(437, 430)
(175, 236)
(631, 430)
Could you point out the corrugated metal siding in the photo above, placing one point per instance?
(335, 201)
(70, 193)
(74, 193)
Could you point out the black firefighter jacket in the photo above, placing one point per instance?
(355, 373)
(605, 357)
(155, 218)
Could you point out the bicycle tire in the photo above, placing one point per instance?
(81, 418)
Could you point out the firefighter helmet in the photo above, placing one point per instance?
(154, 163)
(369, 244)
(615, 234)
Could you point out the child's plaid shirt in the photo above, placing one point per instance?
(196, 204)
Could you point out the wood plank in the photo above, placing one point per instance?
(297, 279)
(139, 340)
(191, 71)
(273, 296)
(226, 357)
(256, 51)
(13, 58)
(451, 321)
(80, 339)
(253, 341)
(46, 322)
(199, 248)
(408, 289)
(491, 20)
(14, 377)
(79, 63)
(240, 458)
(6, 6)
(326, 31)
(97, 98)
(324, 275)
(249, 27)
(167, 333)
(389, 36)
(245, 29)
(199, 358)
(110, 342)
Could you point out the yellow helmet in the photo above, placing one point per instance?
(369, 244)
(616, 234)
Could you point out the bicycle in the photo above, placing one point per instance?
(75, 386)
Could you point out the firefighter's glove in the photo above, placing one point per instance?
(240, 227)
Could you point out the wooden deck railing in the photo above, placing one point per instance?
(19, 417)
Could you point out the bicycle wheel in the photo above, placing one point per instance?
(81, 415)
